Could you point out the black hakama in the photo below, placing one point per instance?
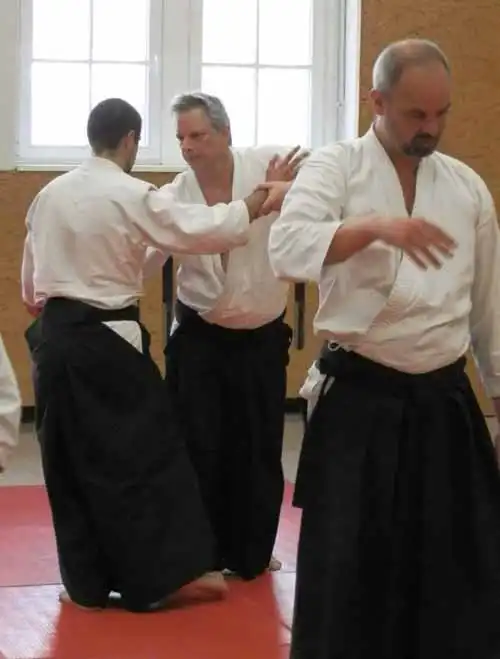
(230, 387)
(126, 507)
(399, 552)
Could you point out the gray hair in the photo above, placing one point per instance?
(211, 105)
(393, 60)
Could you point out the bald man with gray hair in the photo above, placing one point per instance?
(399, 552)
(392, 62)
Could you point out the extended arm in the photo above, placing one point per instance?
(173, 226)
(309, 233)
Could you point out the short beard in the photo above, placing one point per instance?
(417, 148)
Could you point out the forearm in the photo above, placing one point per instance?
(254, 203)
(351, 237)
(175, 227)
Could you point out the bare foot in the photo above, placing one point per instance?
(64, 598)
(275, 565)
(211, 586)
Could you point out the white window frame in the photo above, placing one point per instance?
(62, 155)
(175, 56)
(327, 79)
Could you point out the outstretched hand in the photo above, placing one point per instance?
(424, 242)
(285, 168)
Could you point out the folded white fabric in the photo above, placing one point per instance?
(10, 407)
(311, 388)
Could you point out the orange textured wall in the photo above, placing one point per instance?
(468, 32)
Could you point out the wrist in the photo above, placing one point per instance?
(254, 203)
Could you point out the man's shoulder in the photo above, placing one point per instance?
(110, 187)
(110, 177)
(55, 188)
(460, 172)
(59, 181)
(136, 184)
(121, 186)
(334, 155)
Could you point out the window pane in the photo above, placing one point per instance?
(235, 86)
(126, 81)
(291, 44)
(120, 35)
(229, 31)
(59, 104)
(284, 106)
(61, 29)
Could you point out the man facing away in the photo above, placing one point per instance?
(228, 353)
(126, 507)
(10, 407)
(399, 553)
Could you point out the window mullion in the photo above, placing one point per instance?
(176, 62)
(91, 49)
(257, 72)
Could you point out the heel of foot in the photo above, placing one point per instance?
(275, 565)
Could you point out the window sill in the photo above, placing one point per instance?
(143, 168)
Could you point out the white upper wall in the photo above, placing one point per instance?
(9, 81)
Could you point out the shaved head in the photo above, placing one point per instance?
(401, 55)
(411, 96)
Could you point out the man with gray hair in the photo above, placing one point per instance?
(399, 552)
(228, 353)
